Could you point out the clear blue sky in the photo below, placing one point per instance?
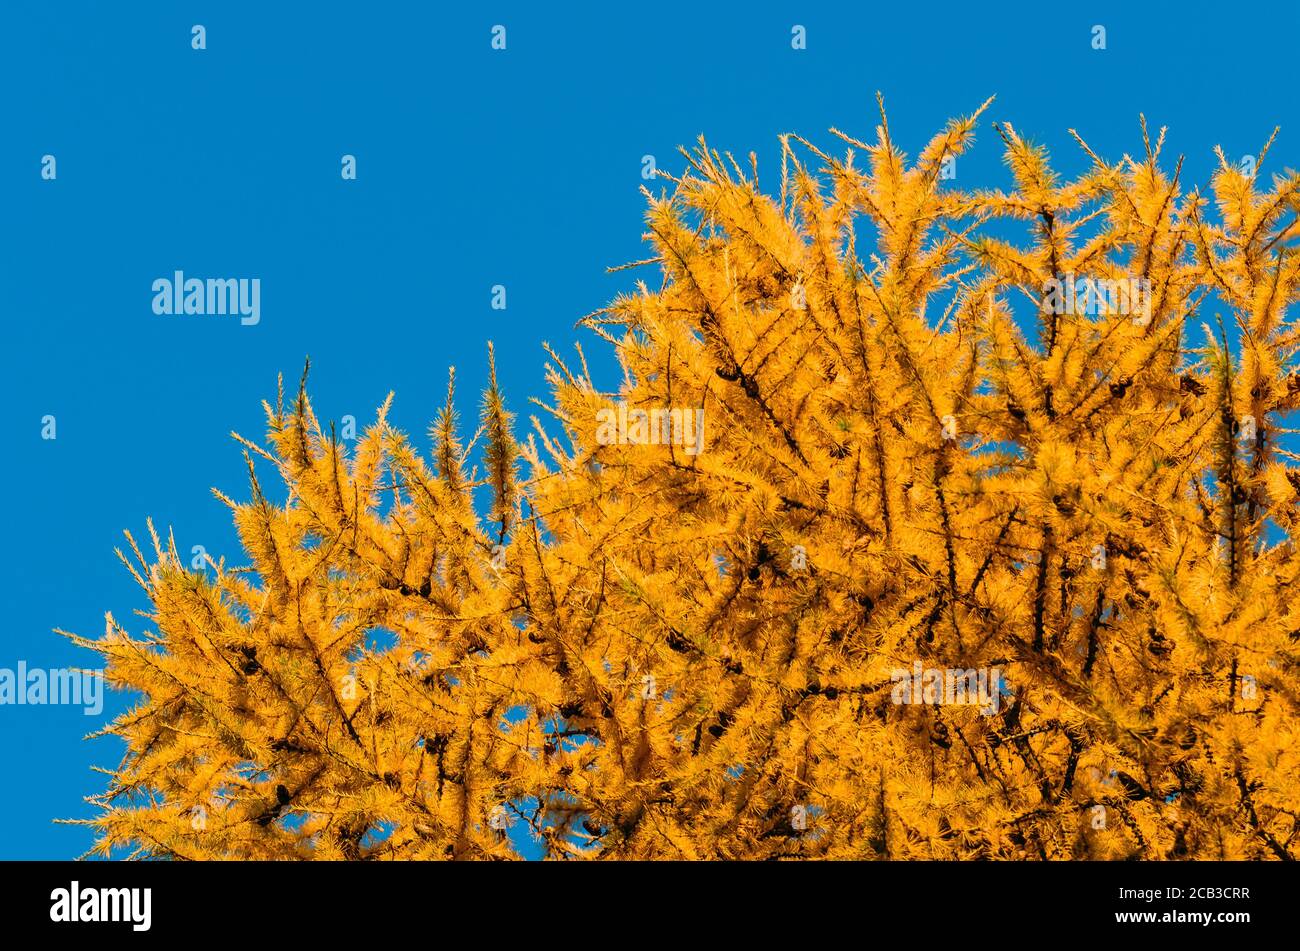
(475, 168)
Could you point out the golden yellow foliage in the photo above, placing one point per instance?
(686, 626)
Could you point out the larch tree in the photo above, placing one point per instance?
(865, 445)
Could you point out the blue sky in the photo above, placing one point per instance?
(475, 168)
